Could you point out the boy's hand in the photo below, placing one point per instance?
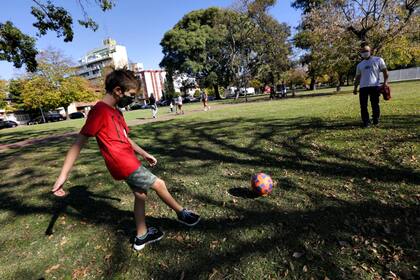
(57, 189)
(150, 159)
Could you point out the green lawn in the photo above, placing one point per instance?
(345, 204)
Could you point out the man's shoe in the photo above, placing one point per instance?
(366, 125)
(188, 217)
(153, 234)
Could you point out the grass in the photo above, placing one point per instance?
(345, 204)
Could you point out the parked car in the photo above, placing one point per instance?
(189, 99)
(36, 120)
(210, 98)
(7, 124)
(54, 117)
(76, 115)
(163, 102)
(137, 106)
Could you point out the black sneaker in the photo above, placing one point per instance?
(188, 217)
(153, 235)
(366, 125)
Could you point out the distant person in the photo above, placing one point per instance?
(171, 105)
(179, 105)
(153, 105)
(106, 123)
(204, 99)
(272, 91)
(283, 90)
(368, 76)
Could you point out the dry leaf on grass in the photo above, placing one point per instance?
(52, 268)
(297, 255)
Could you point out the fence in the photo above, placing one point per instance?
(404, 74)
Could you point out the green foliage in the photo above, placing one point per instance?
(307, 5)
(15, 92)
(51, 17)
(17, 47)
(53, 85)
(295, 76)
(221, 46)
(38, 92)
(3, 90)
(403, 51)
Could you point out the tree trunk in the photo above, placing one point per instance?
(42, 114)
(312, 85)
(216, 92)
(66, 109)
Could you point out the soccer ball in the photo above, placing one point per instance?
(262, 184)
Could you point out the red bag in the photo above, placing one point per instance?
(385, 91)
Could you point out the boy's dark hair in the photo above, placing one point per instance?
(123, 78)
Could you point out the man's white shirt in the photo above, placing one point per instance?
(369, 71)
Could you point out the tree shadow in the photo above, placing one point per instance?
(243, 193)
(318, 231)
(80, 199)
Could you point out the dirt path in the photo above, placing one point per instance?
(41, 140)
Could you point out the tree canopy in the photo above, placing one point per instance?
(19, 48)
(332, 31)
(222, 46)
(53, 84)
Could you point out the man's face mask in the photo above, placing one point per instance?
(125, 101)
(365, 54)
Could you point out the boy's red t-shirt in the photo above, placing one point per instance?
(107, 124)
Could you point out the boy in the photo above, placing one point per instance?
(107, 124)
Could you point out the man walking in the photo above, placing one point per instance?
(368, 76)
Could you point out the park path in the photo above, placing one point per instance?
(46, 139)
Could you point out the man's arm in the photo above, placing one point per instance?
(151, 159)
(385, 72)
(71, 157)
(356, 83)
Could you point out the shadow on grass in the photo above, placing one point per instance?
(335, 238)
(83, 201)
(9, 138)
(243, 192)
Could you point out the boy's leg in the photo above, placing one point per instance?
(185, 216)
(140, 213)
(160, 188)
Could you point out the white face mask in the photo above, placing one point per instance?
(365, 54)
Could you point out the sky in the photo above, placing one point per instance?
(139, 25)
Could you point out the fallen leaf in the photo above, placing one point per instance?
(52, 268)
(297, 255)
(79, 273)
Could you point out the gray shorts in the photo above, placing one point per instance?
(141, 180)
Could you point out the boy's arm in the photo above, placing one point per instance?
(71, 157)
(150, 159)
